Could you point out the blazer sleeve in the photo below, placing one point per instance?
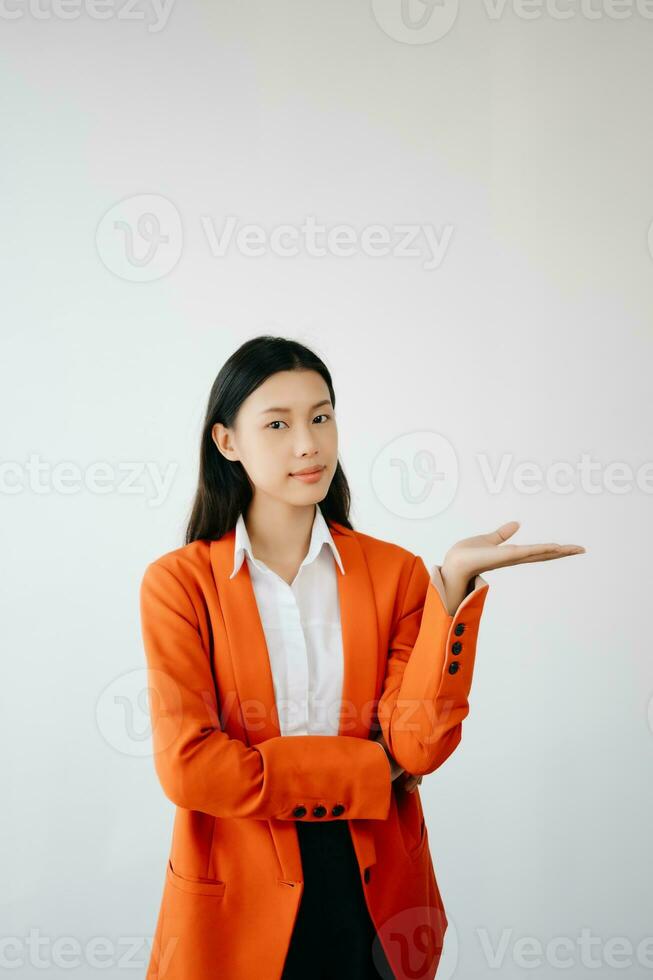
(201, 767)
(429, 672)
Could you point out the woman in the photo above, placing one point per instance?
(303, 677)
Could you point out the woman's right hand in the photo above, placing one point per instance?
(411, 782)
(395, 768)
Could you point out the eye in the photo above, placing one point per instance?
(323, 415)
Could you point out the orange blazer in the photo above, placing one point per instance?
(233, 880)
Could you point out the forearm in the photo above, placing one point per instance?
(457, 587)
(428, 678)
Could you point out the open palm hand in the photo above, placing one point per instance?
(483, 552)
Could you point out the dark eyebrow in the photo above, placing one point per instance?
(325, 401)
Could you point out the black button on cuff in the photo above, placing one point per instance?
(299, 811)
(319, 811)
(337, 810)
(456, 647)
(453, 667)
(460, 629)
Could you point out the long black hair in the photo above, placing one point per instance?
(224, 489)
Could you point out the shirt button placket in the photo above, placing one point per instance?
(298, 667)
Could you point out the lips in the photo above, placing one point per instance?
(308, 472)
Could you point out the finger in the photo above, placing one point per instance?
(412, 782)
(517, 554)
(504, 532)
(549, 557)
(493, 538)
(545, 552)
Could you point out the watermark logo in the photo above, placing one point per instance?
(415, 936)
(123, 715)
(415, 21)
(140, 238)
(416, 475)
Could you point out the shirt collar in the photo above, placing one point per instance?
(320, 535)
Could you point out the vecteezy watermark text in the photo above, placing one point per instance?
(405, 241)
(41, 477)
(426, 21)
(141, 238)
(155, 12)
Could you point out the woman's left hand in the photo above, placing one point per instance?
(483, 552)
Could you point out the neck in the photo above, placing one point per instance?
(279, 531)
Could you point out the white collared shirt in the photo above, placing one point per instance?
(303, 632)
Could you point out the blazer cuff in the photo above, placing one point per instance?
(438, 582)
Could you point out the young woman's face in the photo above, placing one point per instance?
(287, 424)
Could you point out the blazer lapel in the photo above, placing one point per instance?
(364, 669)
(363, 662)
(364, 665)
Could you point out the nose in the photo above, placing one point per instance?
(306, 443)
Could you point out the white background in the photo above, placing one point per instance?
(530, 138)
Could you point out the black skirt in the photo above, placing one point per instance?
(334, 937)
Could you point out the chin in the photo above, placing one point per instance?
(311, 492)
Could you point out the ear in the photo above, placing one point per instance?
(221, 436)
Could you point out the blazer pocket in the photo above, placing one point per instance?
(195, 886)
